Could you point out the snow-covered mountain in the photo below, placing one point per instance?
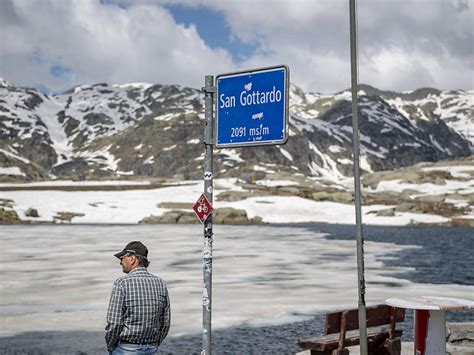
(156, 130)
(455, 108)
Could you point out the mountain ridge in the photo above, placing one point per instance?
(141, 129)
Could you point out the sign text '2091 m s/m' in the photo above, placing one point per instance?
(252, 107)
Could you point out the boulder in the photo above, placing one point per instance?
(462, 222)
(407, 207)
(9, 217)
(220, 216)
(31, 212)
(150, 220)
(469, 197)
(171, 217)
(232, 196)
(321, 196)
(337, 196)
(460, 338)
(405, 194)
(429, 207)
(253, 176)
(188, 218)
(390, 212)
(431, 198)
(66, 216)
(5, 202)
(435, 177)
(288, 190)
(229, 215)
(343, 197)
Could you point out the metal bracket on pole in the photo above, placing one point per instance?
(357, 190)
(208, 90)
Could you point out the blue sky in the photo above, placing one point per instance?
(213, 29)
(57, 44)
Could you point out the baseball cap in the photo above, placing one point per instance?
(135, 247)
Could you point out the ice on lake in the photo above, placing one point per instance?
(59, 277)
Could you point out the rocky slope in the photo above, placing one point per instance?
(156, 131)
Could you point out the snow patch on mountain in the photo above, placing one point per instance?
(141, 86)
(456, 108)
(12, 170)
(13, 154)
(285, 153)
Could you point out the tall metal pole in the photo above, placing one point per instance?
(208, 239)
(355, 142)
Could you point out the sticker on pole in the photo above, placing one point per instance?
(202, 208)
(252, 107)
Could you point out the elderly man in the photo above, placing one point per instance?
(138, 317)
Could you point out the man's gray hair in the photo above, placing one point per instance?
(142, 260)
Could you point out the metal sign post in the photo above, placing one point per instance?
(208, 240)
(355, 141)
(252, 110)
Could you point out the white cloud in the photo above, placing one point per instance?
(103, 43)
(402, 45)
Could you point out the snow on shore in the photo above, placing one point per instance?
(130, 206)
(63, 183)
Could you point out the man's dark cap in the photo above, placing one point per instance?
(134, 247)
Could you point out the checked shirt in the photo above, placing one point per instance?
(139, 310)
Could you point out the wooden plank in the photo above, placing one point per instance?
(343, 327)
(331, 342)
(376, 315)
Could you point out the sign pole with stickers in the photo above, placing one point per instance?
(252, 110)
(205, 207)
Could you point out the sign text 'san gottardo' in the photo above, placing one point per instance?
(247, 98)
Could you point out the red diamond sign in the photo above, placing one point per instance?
(202, 208)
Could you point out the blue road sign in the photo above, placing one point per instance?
(252, 107)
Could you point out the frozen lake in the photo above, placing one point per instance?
(59, 277)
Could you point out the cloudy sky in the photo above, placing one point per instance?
(403, 44)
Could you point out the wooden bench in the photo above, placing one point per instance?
(342, 329)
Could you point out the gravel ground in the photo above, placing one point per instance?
(280, 339)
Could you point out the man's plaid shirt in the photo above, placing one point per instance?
(139, 310)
